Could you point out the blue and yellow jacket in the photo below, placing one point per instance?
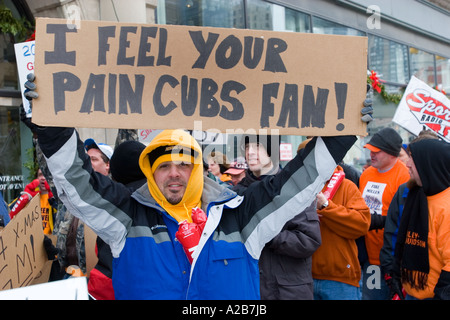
(149, 263)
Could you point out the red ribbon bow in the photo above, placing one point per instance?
(375, 81)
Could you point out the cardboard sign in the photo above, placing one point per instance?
(25, 64)
(122, 75)
(74, 288)
(22, 253)
(90, 239)
(422, 107)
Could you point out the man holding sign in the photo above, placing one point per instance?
(141, 227)
(148, 229)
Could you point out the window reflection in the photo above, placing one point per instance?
(10, 161)
(392, 61)
(323, 26)
(443, 73)
(259, 15)
(297, 21)
(8, 67)
(216, 13)
(388, 59)
(422, 66)
(262, 15)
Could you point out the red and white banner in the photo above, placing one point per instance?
(422, 107)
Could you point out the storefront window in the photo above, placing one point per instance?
(8, 67)
(262, 15)
(422, 66)
(297, 21)
(212, 13)
(389, 60)
(11, 179)
(443, 74)
(323, 26)
(14, 29)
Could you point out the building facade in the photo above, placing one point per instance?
(405, 38)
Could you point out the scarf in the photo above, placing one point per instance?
(411, 250)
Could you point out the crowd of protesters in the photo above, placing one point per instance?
(181, 225)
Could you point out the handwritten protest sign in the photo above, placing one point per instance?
(22, 253)
(422, 107)
(122, 75)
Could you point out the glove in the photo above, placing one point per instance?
(442, 288)
(395, 285)
(367, 111)
(30, 87)
(377, 221)
(50, 249)
(29, 94)
(397, 292)
(52, 201)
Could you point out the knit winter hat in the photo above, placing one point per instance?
(271, 143)
(387, 140)
(124, 162)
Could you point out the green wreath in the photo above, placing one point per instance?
(379, 88)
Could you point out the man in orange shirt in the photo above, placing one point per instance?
(378, 184)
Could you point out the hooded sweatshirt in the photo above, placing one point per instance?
(346, 218)
(175, 145)
(432, 158)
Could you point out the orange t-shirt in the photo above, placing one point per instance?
(46, 212)
(378, 189)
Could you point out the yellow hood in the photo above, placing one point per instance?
(194, 189)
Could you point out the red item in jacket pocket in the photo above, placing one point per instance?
(333, 184)
(189, 233)
(199, 217)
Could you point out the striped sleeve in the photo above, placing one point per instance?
(276, 200)
(90, 196)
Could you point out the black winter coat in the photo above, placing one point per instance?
(285, 262)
